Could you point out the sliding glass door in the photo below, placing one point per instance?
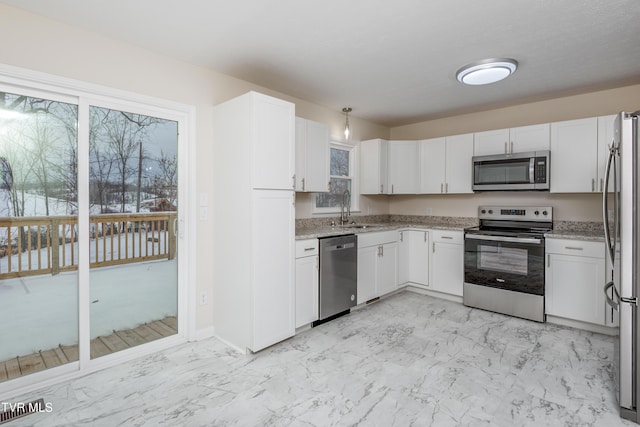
(38, 234)
(88, 230)
(133, 196)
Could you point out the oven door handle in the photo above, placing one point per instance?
(504, 239)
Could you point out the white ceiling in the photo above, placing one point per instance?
(393, 62)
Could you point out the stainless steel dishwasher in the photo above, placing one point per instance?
(338, 276)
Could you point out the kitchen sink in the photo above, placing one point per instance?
(359, 225)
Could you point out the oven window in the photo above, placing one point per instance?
(505, 260)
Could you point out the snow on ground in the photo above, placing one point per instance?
(41, 312)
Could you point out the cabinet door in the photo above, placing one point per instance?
(447, 267)
(317, 175)
(301, 153)
(273, 143)
(491, 142)
(367, 266)
(574, 156)
(605, 138)
(458, 161)
(403, 167)
(529, 138)
(404, 256)
(387, 268)
(432, 165)
(419, 257)
(373, 167)
(272, 264)
(306, 290)
(574, 288)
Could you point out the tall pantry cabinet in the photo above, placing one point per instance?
(254, 221)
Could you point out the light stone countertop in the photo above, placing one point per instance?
(576, 235)
(326, 231)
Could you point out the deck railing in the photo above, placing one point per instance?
(31, 246)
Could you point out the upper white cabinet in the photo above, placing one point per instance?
(605, 138)
(403, 167)
(514, 140)
(373, 166)
(445, 164)
(574, 156)
(253, 265)
(273, 148)
(312, 156)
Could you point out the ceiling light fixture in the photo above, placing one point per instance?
(347, 129)
(486, 71)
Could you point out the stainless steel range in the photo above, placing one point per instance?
(504, 260)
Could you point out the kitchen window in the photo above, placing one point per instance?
(343, 173)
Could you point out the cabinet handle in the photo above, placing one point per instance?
(402, 236)
(601, 185)
(381, 250)
(593, 184)
(302, 184)
(391, 188)
(308, 249)
(381, 188)
(328, 185)
(573, 248)
(447, 237)
(548, 260)
(425, 236)
(505, 148)
(511, 148)
(293, 178)
(434, 248)
(446, 188)
(441, 187)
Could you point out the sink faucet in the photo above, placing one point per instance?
(346, 203)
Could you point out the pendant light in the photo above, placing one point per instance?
(347, 129)
(486, 71)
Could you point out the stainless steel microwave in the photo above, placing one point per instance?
(507, 172)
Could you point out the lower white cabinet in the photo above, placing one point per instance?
(413, 257)
(447, 261)
(377, 264)
(306, 281)
(575, 280)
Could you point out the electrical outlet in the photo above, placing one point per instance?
(204, 299)
(429, 211)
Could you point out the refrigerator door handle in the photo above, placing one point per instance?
(610, 301)
(610, 245)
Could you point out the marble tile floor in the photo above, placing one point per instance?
(408, 360)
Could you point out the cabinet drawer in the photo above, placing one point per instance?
(377, 238)
(575, 247)
(444, 236)
(306, 247)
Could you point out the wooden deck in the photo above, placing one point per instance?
(101, 346)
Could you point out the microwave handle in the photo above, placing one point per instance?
(532, 164)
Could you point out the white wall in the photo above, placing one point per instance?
(32, 42)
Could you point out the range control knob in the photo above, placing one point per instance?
(483, 211)
(490, 211)
(545, 213)
(536, 213)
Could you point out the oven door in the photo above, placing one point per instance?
(510, 263)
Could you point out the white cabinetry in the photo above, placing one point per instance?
(445, 164)
(447, 261)
(575, 280)
(413, 257)
(312, 156)
(403, 167)
(377, 264)
(253, 264)
(574, 156)
(514, 140)
(306, 281)
(373, 166)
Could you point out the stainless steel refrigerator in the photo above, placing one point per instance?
(621, 212)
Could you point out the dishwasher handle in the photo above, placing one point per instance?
(339, 247)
